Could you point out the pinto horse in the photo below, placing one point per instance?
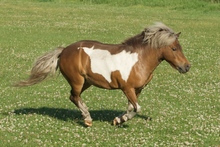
(127, 66)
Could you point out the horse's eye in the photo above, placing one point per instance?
(174, 49)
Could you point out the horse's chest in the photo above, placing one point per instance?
(104, 63)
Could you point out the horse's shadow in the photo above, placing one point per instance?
(75, 115)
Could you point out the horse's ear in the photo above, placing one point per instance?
(144, 36)
(178, 34)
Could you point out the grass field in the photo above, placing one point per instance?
(184, 109)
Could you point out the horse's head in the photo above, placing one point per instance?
(174, 56)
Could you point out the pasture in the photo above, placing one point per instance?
(177, 109)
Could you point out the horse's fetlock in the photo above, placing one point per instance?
(124, 118)
(138, 108)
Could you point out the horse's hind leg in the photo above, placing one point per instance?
(77, 89)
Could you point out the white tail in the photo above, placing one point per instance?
(44, 66)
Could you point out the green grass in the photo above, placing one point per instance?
(184, 109)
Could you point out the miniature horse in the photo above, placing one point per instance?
(127, 66)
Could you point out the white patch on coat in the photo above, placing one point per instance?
(103, 63)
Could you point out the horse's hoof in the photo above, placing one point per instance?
(88, 123)
(116, 121)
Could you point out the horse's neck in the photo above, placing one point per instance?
(151, 59)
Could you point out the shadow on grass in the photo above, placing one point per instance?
(74, 115)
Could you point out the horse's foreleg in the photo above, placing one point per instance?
(133, 108)
(129, 114)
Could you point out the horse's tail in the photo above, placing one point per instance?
(44, 66)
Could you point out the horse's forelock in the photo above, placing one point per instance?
(159, 35)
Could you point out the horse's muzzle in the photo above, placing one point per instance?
(184, 69)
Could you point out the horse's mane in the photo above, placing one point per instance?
(157, 36)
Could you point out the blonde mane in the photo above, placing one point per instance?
(159, 35)
(156, 36)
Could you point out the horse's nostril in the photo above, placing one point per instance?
(188, 67)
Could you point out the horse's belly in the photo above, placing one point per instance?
(97, 80)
